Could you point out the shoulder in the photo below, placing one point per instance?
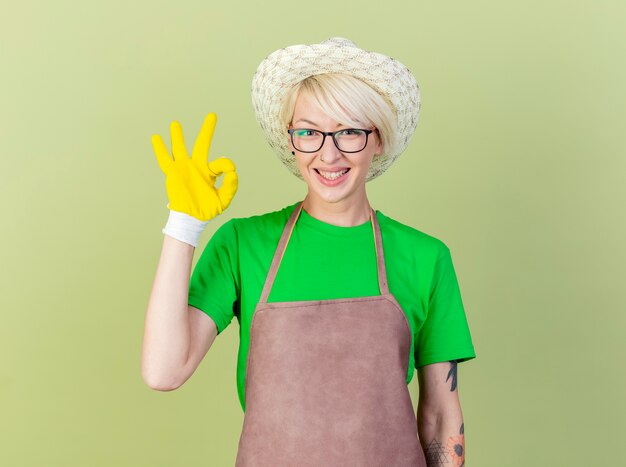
(264, 220)
(409, 239)
(258, 228)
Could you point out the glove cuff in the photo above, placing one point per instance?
(184, 227)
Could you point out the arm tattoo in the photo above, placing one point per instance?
(436, 455)
(452, 374)
(453, 454)
(456, 446)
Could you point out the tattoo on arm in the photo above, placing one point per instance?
(436, 455)
(453, 454)
(452, 374)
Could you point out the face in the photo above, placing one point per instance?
(348, 188)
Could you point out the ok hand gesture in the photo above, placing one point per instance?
(190, 182)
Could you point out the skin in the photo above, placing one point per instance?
(345, 204)
(439, 417)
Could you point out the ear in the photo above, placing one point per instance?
(288, 136)
(379, 147)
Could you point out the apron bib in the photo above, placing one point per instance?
(326, 379)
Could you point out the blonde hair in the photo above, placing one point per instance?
(349, 101)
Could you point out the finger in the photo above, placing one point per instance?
(231, 179)
(178, 142)
(221, 165)
(203, 143)
(163, 157)
(229, 187)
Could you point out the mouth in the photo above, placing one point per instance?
(332, 178)
(332, 175)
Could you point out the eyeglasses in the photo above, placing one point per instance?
(347, 140)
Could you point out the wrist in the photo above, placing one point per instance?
(184, 227)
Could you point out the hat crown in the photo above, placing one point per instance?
(340, 41)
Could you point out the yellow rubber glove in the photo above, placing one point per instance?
(190, 182)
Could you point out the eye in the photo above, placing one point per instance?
(351, 132)
(304, 133)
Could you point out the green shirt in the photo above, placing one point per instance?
(324, 261)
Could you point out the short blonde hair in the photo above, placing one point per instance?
(349, 101)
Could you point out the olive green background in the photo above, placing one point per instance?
(518, 165)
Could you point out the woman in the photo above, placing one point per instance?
(337, 303)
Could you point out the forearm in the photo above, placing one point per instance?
(442, 437)
(167, 330)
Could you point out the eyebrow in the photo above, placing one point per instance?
(312, 123)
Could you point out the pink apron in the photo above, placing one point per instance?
(326, 379)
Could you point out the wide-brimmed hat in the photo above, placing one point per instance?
(285, 67)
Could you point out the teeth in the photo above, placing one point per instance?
(332, 175)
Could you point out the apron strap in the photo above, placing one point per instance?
(280, 251)
(286, 235)
(380, 256)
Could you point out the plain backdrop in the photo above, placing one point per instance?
(517, 164)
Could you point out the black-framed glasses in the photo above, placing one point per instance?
(346, 140)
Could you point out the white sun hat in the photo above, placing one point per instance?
(285, 67)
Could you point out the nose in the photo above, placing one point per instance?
(329, 152)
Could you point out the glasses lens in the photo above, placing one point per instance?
(351, 140)
(307, 140)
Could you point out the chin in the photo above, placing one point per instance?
(331, 195)
(332, 198)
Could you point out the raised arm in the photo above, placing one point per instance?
(176, 335)
(439, 417)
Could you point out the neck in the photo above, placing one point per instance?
(345, 213)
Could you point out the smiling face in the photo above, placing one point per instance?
(348, 189)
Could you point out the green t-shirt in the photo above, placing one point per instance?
(324, 261)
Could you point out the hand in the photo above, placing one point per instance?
(190, 182)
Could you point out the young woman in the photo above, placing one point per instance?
(338, 304)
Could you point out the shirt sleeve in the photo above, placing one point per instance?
(445, 334)
(214, 284)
